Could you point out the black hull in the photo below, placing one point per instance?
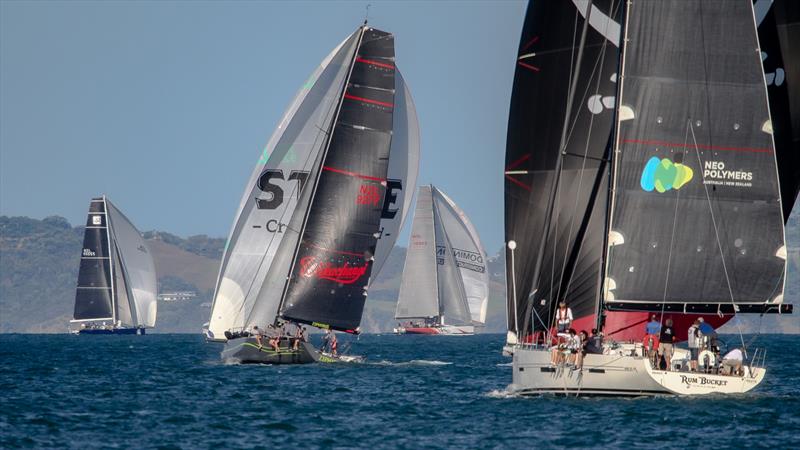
(245, 350)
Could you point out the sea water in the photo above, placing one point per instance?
(173, 391)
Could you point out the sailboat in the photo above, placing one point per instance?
(641, 178)
(445, 285)
(323, 206)
(116, 291)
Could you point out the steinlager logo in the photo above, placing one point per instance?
(662, 175)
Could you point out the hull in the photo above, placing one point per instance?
(245, 350)
(140, 331)
(621, 371)
(449, 330)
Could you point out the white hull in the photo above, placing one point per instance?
(622, 371)
(448, 330)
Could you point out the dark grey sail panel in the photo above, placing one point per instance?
(779, 38)
(93, 296)
(333, 263)
(453, 306)
(696, 215)
(540, 118)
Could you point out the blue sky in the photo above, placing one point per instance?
(165, 106)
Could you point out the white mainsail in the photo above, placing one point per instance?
(445, 271)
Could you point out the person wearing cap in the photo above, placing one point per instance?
(665, 342)
(563, 317)
(693, 340)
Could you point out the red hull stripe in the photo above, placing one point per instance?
(704, 147)
(374, 63)
(528, 66)
(366, 100)
(353, 174)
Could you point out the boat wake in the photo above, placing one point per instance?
(413, 362)
(502, 393)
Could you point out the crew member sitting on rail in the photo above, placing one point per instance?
(595, 344)
(257, 333)
(584, 344)
(334, 345)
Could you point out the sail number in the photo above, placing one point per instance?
(269, 181)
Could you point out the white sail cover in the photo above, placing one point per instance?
(467, 252)
(137, 268)
(445, 271)
(265, 221)
(403, 171)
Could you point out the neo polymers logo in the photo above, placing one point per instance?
(663, 175)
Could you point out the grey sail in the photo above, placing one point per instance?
(123, 305)
(136, 267)
(402, 174)
(467, 253)
(265, 231)
(94, 293)
(445, 273)
(419, 292)
(453, 307)
(696, 218)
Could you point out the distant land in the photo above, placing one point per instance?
(39, 268)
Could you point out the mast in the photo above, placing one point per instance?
(110, 263)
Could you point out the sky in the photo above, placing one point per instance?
(166, 106)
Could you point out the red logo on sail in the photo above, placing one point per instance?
(311, 266)
(369, 195)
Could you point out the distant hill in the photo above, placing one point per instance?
(39, 267)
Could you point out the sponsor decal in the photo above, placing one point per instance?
(97, 220)
(715, 172)
(89, 253)
(701, 380)
(273, 226)
(321, 325)
(311, 266)
(272, 190)
(468, 260)
(368, 194)
(663, 175)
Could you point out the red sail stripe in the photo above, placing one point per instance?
(519, 183)
(353, 174)
(531, 42)
(704, 147)
(528, 66)
(366, 100)
(519, 161)
(374, 63)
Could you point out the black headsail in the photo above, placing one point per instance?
(696, 220)
(557, 151)
(779, 35)
(333, 262)
(94, 296)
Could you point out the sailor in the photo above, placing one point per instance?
(298, 336)
(563, 317)
(693, 340)
(573, 346)
(651, 336)
(595, 343)
(666, 340)
(257, 333)
(326, 340)
(334, 344)
(732, 362)
(584, 348)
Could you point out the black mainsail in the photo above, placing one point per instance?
(559, 132)
(325, 202)
(116, 279)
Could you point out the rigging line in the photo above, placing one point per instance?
(719, 243)
(598, 62)
(672, 238)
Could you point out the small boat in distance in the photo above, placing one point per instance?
(445, 285)
(116, 292)
(322, 209)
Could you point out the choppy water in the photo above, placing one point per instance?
(172, 391)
